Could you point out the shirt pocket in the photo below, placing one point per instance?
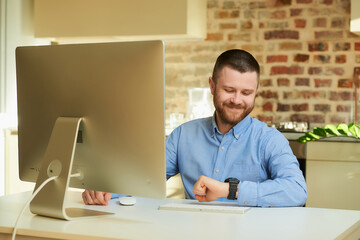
(246, 172)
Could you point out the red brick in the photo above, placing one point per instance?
(320, 46)
(301, 58)
(290, 46)
(281, 14)
(281, 3)
(300, 23)
(277, 70)
(342, 46)
(264, 118)
(345, 83)
(340, 58)
(212, 4)
(344, 96)
(343, 108)
(304, 95)
(320, 22)
(322, 107)
(338, 22)
(329, 35)
(321, 58)
(228, 25)
(357, 58)
(327, 2)
(268, 94)
(239, 37)
(281, 34)
(304, 1)
(315, 70)
(283, 107)
(229, 4)
(283, 82)
(308, 118)
(256, 5)
(222, 14)
(276, 58)
(247, 25)
(334, 71)
(295, 12)
(268, 107)
(302, 82)
(253, 48)
(214, 36)
(234, 14)
(266, 83)
(312, 94)
(288, 95)
(322, 82)
(357, 46)
(300, 107)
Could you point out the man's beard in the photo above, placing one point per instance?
(228, 117)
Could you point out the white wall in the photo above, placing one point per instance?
(16, 29)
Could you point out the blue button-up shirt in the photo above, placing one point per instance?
(259, 156)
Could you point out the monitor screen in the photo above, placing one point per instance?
(114, 95)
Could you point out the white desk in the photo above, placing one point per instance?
(145, 221)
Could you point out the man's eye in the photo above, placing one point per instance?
(229, 90)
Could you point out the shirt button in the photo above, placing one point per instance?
(222, 148)
(236, 136)
(246, 202)
(217, 171)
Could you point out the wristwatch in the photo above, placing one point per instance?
(233, 187)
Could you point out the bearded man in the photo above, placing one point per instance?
(232, 156)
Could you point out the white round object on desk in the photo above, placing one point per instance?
(127, 201)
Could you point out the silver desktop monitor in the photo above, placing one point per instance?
(93, 115)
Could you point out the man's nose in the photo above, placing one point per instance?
(236, 98)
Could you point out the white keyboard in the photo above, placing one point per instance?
(201, 207)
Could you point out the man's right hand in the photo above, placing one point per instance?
(95, 197)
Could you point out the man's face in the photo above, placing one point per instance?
(234, 95)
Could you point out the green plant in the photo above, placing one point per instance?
(341, 130)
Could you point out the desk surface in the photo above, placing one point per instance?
(145, 221)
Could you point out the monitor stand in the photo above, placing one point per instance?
(58, 161)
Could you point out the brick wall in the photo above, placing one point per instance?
(306, 52)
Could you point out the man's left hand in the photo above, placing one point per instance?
(207, 189)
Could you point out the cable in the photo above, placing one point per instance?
(28, 202)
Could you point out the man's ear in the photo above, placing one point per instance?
(212, 85)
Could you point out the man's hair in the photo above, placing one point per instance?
(238, 60)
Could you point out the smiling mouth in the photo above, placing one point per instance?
(234, 107)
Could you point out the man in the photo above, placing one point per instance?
(232, 156)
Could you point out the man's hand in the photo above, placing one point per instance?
(95, 197)
(207, 189)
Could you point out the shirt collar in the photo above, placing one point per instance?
(236, 130)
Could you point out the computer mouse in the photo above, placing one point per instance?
(127, 201)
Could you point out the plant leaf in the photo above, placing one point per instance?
(320, 131)
(331, 129)
(303, 139)
(354, 130)
(342, 128)
(312, 136)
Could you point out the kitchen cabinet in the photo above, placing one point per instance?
(113, 20)
(333, 174)
(355, 17)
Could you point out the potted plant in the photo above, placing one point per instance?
(341, 130)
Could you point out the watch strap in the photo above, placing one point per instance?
(233, 187)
